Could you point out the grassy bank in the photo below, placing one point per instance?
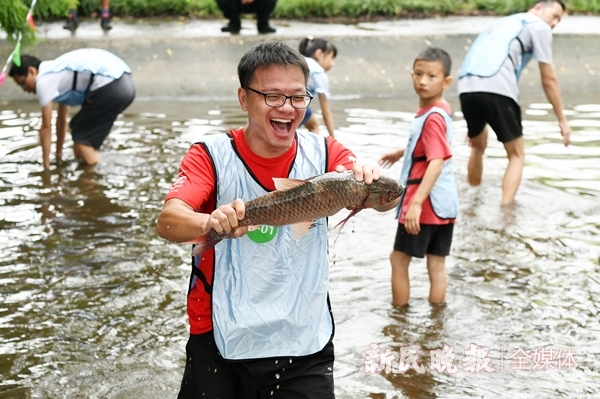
(12, 12)
(304, 9)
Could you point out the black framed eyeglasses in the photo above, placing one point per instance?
(277, 100)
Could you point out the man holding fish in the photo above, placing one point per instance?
(260, 322)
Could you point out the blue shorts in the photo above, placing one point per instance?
(307, 116)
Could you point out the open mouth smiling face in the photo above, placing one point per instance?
(272, 119)
(281, 126)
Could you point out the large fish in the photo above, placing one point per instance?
(300, 202)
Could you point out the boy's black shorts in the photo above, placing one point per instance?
(433, 239)
(100, 109)
(502, 113)
(208, 375)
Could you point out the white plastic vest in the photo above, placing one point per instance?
(443, 195)
(95, 61)
(491, 48)
(269, 292)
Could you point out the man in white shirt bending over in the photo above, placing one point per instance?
(96, 79)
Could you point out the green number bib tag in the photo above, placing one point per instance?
(263, 234)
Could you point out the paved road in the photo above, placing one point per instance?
(580, 25)
(194, 60)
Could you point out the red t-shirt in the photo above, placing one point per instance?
(432, 144)
(195, 186)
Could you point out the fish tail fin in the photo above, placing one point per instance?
(203, 246)
(203, 243)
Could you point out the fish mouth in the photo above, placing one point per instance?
(281, 126)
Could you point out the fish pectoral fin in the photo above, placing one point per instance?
(343, 222)
(299, 229)
(283, 184)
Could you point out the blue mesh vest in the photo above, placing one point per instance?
(443, 195)
(269, 292)
(491, 48)
(95, 61)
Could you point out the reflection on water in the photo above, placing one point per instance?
(92, 302)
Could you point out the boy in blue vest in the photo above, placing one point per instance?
(96, 79)
(429, 206)
(489, 90)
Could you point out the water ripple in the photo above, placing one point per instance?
(92, 303)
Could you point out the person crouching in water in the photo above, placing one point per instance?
(319, 54)
(96, 79)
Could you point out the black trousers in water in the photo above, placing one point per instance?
(100, 109)
(233, 8)
(208, 375)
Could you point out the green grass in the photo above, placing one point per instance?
(303, 9)
(146, 8)
(12, 12)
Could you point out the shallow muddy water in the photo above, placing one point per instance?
(92, 302)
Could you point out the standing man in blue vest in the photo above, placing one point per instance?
(258, 306)
(96, 79)
(489, 91)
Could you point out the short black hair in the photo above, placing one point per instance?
(26, 62)
(436, 54)
(309, 45)
(267, 54)
(549, 2)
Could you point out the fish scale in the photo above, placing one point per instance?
(318, 197)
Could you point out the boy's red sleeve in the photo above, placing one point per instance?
(435, 143)
(195, 182)
(339, 155)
